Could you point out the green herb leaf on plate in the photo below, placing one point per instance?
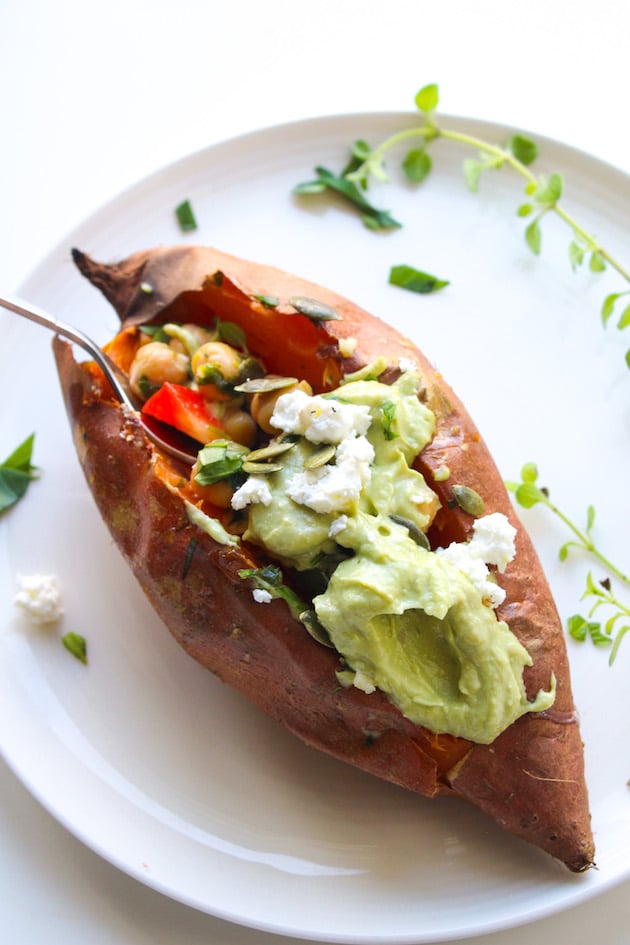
(414, 280)
(16, 472)
(186, 217)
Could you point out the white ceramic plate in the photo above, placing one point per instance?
(145, 756)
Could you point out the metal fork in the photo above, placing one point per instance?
(155, 430)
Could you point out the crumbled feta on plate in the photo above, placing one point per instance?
(39, 598)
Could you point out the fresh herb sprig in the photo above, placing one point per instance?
(528, 493)
(543, 192)
(16, 473)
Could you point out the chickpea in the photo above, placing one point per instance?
(154, 364)
(218, 359)
(264, 404)
(240, 427)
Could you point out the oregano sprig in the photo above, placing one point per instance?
(528, 493)
(542, 192)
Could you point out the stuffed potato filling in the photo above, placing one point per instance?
(325, 484)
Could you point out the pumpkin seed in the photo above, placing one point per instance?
(261, 385)
(320, 457)
(316, 311)
(315, 629)
(258, 469)
(415, 533)
(273, 448)
(469, 500)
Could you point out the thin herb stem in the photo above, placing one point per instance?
(429, 131)
(587, 543)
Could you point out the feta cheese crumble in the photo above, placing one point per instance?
(320, 419)
(335, 488)
(254, 489)
(261, 596)
(337, 526)
(492, 543)
(39, 598)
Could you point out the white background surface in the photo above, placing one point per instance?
(94, 97)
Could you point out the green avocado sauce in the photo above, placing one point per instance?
(404, 619)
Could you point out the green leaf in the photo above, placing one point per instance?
(577, 627)
(219, 460)
(609, 305)
(185, 216)
(361, 150)
(590, 517)
(16, 472)
(416, 165)
(548, 190)
(21, 456)
(378, 219)
(529, 472)
(428, 98)
(529, 495)
(624, 321)
(620, 635)
(556, 186)
(472, 173)
(627, 358)
(389, 413)
(533, 236)
(597, 263)
(270, 579)
(359, 154)
(523, 149)
(310, 187)
(524, 210)
(232, 334)
(576, 254)
(75, 644)
(596, 635)
(563, 552)
(414, 280)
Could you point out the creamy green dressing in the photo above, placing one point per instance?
(403, 619)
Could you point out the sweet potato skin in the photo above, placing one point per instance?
(531, 779)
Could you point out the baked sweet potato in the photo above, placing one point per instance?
(530, 778)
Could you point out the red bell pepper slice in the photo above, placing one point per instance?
(186, 410)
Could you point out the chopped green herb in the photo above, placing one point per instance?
(232, 334)
(389, 413)
(185, 217)
(190, 550)
(146, 387)
(414, 280)
(219, 460)
(75, 644)
(156, 332)
(270, 579)
(372, 217)
(16, 472)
